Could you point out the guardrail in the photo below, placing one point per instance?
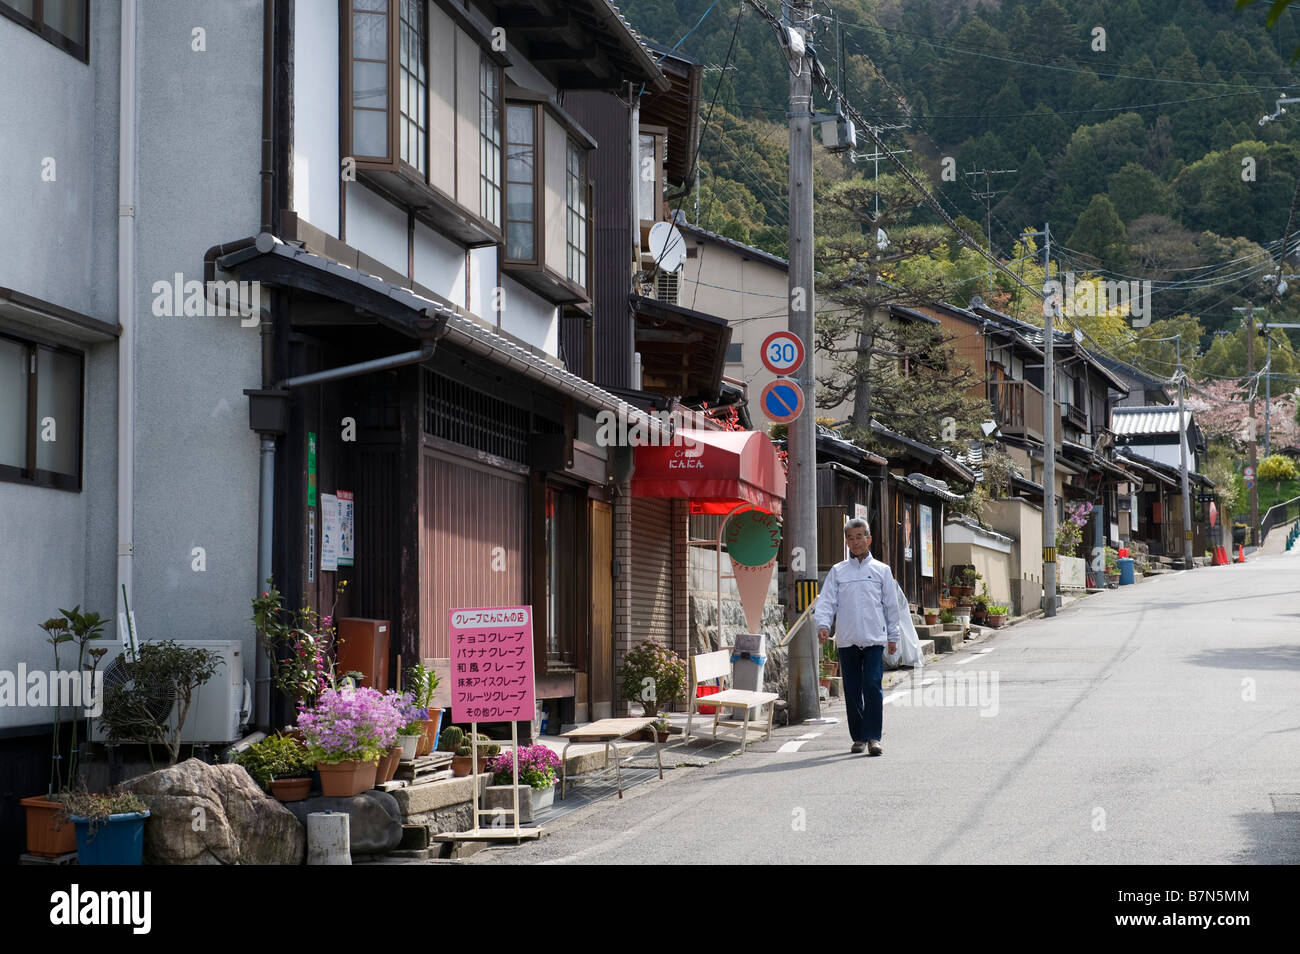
(1277, 515)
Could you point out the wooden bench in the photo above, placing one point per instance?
(611, 732)
(713, 666)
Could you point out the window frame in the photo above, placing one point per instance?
(555, 273)
(660, 136)
(406, 184)
(421, 121)
(36, 24)
(582, 188)
(30, 474)
(538, 183)
(487, 68)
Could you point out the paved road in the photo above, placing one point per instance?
(1157, 724)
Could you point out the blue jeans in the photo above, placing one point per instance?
(862, 668)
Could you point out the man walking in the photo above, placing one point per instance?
(859, 595)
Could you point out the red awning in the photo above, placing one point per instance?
(715, 470)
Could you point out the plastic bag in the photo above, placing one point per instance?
(909, 648)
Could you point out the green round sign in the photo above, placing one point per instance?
(753, 538)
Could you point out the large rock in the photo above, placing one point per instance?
(704, 634)
(204, 814)
(375, 823)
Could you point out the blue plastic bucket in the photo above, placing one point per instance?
(119, 840)
(1126, 571)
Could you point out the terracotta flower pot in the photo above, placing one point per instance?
(461, 765)
(345, 779)
(291, 789)
(430, 737)
(45, 837)
(931, 619)
(996, 621)
(388, 765)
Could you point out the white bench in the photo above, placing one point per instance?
(713, 666)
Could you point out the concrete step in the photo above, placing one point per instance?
(926, 632)
(946, 642)
(927, 647)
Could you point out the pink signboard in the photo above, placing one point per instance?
(492, 664)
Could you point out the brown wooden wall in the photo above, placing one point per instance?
(967, 341)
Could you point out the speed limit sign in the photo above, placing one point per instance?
(782, 352)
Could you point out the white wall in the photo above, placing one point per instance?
(376, 227)
(483, 279)
(316, 115)
(530, 317)
(439, 264)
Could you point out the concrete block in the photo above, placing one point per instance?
(946, 642)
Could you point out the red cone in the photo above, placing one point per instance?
(1241, 554)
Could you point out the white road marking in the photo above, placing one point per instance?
(971, 656)
(794, 744)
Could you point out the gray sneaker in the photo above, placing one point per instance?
(874, 747)
(856, 748)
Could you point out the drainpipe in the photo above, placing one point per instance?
(634, 134)
(125, 312)
(266, 456)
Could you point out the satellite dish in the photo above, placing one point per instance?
(667, 246)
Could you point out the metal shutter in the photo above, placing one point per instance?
(651, 570)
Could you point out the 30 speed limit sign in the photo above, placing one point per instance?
(782, 352)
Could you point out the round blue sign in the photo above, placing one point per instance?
(782, 401)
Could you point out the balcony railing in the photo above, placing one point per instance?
(1018, 409)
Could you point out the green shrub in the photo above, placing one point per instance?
(276, 756)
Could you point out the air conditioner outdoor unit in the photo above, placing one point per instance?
(220, 706)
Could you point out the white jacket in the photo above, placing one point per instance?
(860, 596)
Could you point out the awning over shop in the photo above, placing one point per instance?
(715, 470)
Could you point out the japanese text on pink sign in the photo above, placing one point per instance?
(492, 664)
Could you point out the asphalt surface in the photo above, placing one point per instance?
(1155, 724)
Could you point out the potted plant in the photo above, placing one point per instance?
(346, 732)
(658, 731)
(966, 577)
(162, 670)
(280, 765)
(652, 675)
(931, 616)
(403, 706)
(1112, 566)
(949, 620)
(830, 658)
(421, 681)
(947, 601)
(299, 645)
(45, 836)
(412, 733)
(538, 769)
(109, 828)
(998, 614)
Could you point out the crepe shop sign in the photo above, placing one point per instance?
(687, 458)
(492, 664)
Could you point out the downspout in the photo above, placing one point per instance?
(125, 591)
(266, 455)
(634, 134)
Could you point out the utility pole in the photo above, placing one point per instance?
(801, 501)
(987, 195)
(1268, 327)
(1050, 304)
(1182, 464)
(1254, 444)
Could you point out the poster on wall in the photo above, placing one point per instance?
(329, 532)
(347, 527)
(927, 541)
(907, 532)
